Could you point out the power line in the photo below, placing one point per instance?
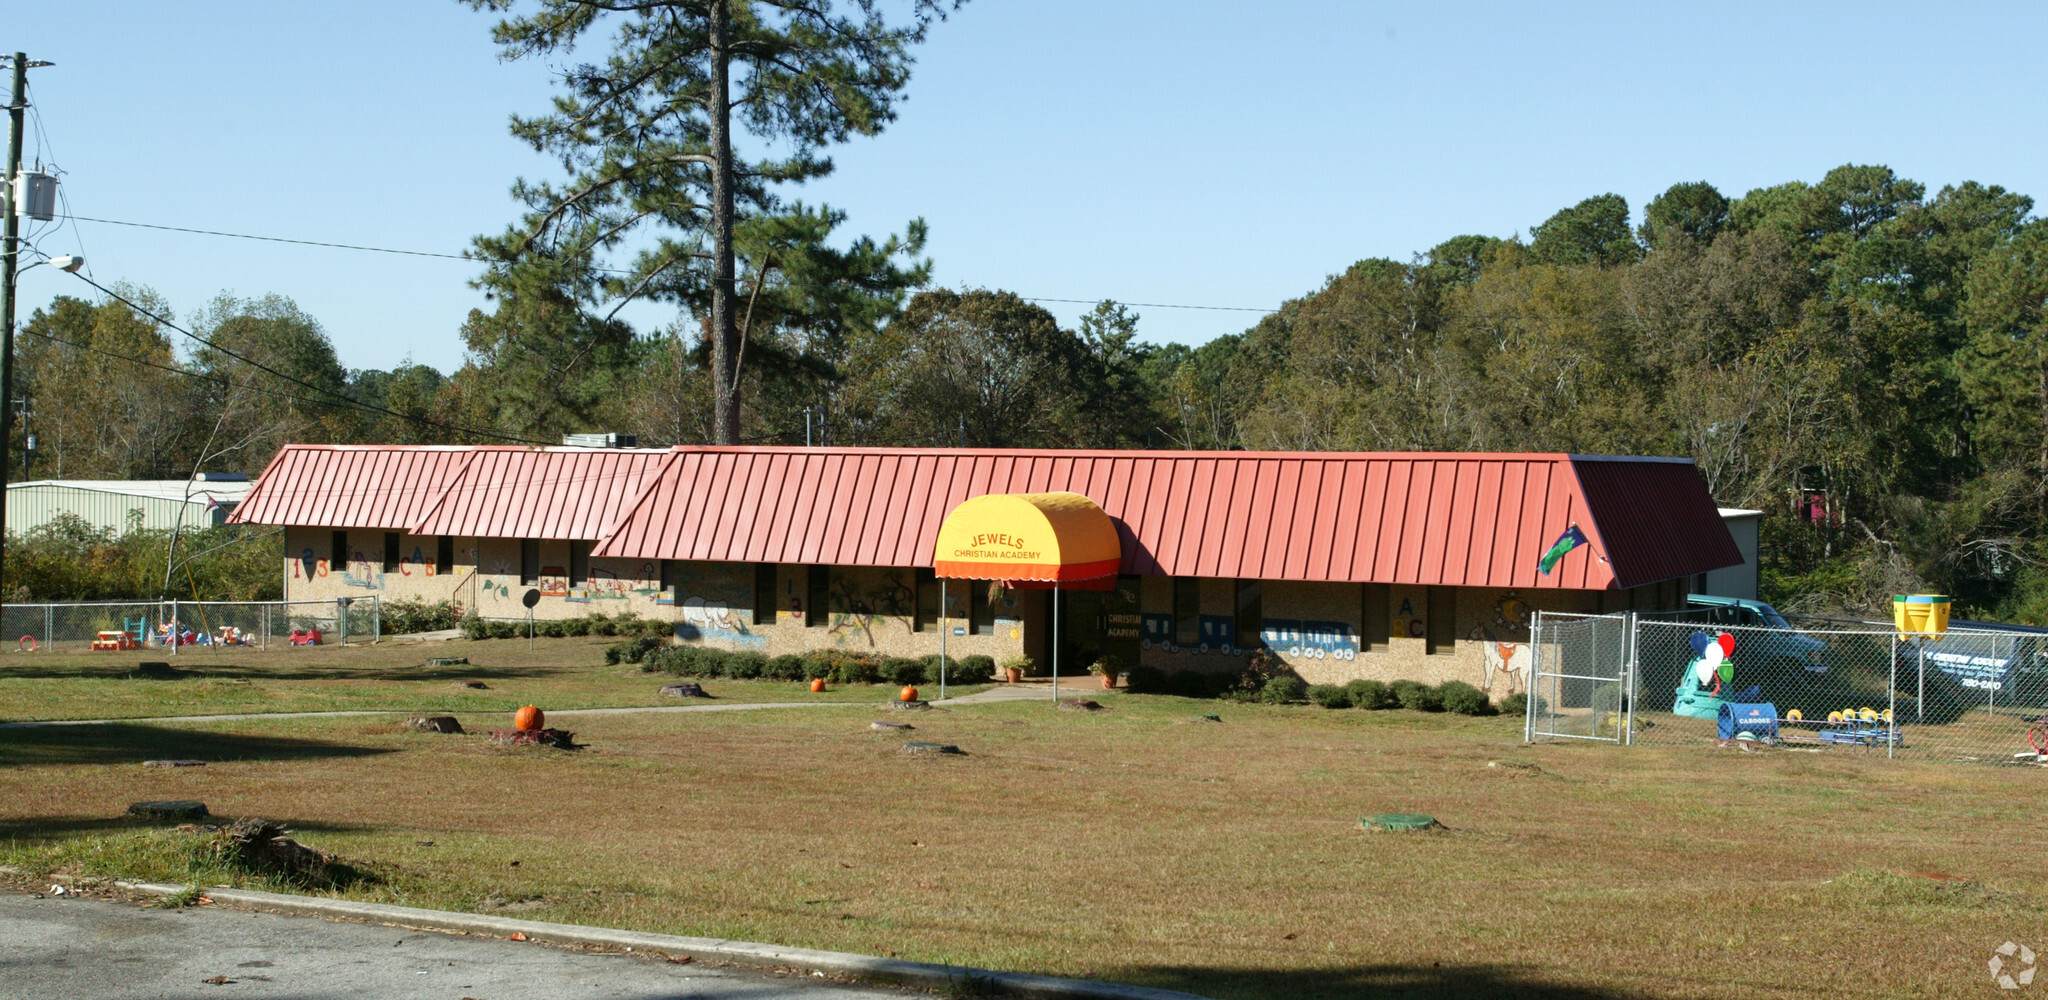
(610, 270)
(275, 239)
(345, 399)
(1150, 305)
(253, 387)
(173, 369)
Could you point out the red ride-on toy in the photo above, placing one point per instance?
(305, 637)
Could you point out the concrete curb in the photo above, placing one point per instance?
(883, 970)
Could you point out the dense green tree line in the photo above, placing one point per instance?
(1859, 358)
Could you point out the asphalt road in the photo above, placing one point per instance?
(82, 949)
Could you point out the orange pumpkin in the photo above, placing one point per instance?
(528, 718)
(817, 684)
(908, 693)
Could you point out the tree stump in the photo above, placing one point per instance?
(263, 845)
(535, 737)
(434, 723)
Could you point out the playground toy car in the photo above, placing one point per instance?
(305, 637)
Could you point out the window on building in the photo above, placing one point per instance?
(981, 609)
(818, 597)
(927, 616)
(1442, 623)
(529, 561)
(1187, 610)
(1374, 616)
(579, 563)
(764, 594)
(391, 556)
(668, 579)
(337, 556)
(1251, 613)
(444, 555)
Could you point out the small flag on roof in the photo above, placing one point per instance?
(1571, 539)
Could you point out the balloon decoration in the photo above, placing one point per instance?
(1702, 684)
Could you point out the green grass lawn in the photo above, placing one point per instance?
(554, 674)
(1129, 844)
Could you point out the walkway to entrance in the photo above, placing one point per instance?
(1036, 689)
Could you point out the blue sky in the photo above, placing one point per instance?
(1184, 153)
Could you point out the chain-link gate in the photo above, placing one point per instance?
(1581, 678)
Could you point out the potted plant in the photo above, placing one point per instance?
(1014, 668)
(1106, 668)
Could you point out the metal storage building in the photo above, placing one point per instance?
(107, 503)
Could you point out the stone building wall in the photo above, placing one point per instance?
(1315, 628)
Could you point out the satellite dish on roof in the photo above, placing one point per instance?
(530, 598)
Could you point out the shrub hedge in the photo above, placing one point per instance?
(1371, 695)
(833, 665)
(1464, 699)
(1330, 695)
(408, 615)
(1285, 688)
(625, 623)
(1417, 696)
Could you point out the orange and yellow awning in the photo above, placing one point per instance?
(1029, 539)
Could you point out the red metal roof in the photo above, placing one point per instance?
(549, 493)
(351, 486)
(1448, 519)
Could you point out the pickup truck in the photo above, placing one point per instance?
(1782, 646)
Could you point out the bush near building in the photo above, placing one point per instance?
(67, 559)
(657, 655)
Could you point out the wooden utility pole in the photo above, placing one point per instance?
(10, 256)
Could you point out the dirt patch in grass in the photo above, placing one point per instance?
(1223, 859)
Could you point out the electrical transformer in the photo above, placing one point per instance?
(35, 195)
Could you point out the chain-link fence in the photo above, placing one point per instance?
(129, 625)
(1696, 678)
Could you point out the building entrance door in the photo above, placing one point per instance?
(1098, 623)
